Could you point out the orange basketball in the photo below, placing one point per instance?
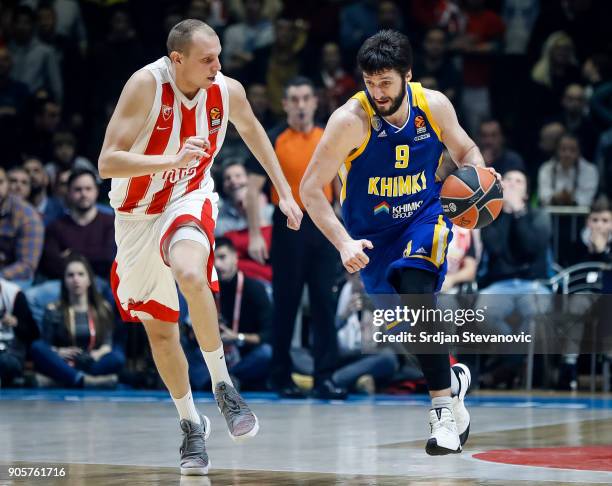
(471, 197)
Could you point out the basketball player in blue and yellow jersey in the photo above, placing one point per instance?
(387, 142)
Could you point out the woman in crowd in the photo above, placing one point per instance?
(76, 347)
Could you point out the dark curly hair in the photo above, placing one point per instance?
(387, 49)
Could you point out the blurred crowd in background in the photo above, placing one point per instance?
(531, 82)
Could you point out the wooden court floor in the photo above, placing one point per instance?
(103, 439)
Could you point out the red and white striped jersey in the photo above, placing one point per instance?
(173, 118)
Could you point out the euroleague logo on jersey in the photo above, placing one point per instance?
(214, 116)
(419, 123)
(421, 128)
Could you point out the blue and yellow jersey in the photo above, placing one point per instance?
(390, 194)
(390, 180)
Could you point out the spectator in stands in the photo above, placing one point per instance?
(20, 184)
(257, 95)
(567, 179)
(337, 85)
(281, 61)
(35, 63)
(585, 21)
(68, 55)
(494, 151)
(14, 96)
(548, 140)
(593, 245)
(389, 16)
(358, 21)
(550, 133)
(515, 248)
(47, 119)
(270, 9)
(601, 103)
(519, 16)
(65, 156)
(479, 42)
(294, 263)
(596, 238)
(69, 21)
(462, 261)
(603, 159)
(60, 187)
(21, 236)
(49, 207)
(245, 320)
(232, 212)
(121, 38)
(202, 10)
(77, 333)
(557, 66)
(242, 38)
(517, 242)
(232, 220)
(437, 13)
(359, 372)
(17, 331)
(576, 120)
(84, 230)
(596, 70)
(433, 62)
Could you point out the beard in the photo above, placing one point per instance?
(396, 102)
(36, 191)
(82, 208)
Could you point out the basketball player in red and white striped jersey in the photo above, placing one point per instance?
(161, 141)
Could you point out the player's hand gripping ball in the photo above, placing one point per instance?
(471, 197)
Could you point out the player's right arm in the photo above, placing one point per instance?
(344, 133)
(128, 119)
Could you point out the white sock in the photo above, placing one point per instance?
(186, 408)
(441, 402)
(215, 361)
(454, 383)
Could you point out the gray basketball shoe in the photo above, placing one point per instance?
(242, 424)
(194, 459)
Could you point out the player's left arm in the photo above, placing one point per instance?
(255, 137)
(462, 149)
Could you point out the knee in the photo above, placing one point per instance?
(162, 336)
(190, 280)
(265, 352)
(39, 346)
(118, 358)
(389, 363)
(414, 281)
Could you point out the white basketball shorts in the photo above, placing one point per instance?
(141, 279)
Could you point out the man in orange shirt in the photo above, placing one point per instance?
(298, 257)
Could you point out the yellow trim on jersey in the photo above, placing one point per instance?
(436, 240)
(445, 231)
(419, 95)
(438, 179)
(346, 166)
(438, 247)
